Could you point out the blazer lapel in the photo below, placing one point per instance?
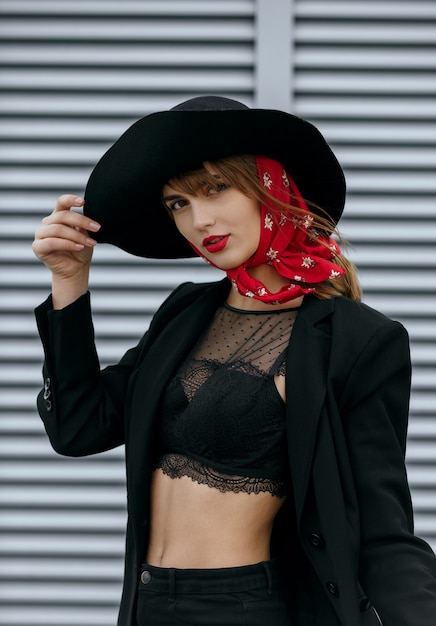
(306, 379)
(172, 342)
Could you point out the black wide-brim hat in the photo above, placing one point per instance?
(124, 190)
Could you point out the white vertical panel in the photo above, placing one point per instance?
(273, 54)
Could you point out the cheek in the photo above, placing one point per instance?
(181, 224)
(256, 241)
(256, 226)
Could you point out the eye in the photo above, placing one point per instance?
(217, 189)
(177, 205)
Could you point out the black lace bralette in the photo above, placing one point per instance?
(222, 418)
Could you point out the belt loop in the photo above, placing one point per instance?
(171, 585)
(268, 577)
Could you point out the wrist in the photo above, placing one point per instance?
(66, 290)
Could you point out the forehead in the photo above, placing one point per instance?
(190, 182)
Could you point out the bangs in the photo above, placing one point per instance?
(239, 171)
(194, 181)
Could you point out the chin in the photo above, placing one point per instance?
(225, 266)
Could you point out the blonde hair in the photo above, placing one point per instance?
(240, 171)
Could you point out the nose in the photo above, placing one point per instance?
(202, 216)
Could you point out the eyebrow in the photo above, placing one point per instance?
(171, 197)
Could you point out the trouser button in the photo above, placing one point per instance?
(145, 577)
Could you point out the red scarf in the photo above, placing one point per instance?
(289, 244)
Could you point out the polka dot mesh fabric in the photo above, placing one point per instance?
(222, 418)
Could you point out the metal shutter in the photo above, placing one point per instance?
(73, 76)
(364, 73)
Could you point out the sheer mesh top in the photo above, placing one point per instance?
(223, 419)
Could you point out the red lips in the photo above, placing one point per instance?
(215, 243)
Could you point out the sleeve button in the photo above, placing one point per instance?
(316, 540)
(332, 589)
(48, 405)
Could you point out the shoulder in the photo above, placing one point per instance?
(186, 295)
(190, 292)
(353, 326)
(341, 312)
(359, 317)
(358, 330)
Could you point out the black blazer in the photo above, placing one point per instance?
(345, 541)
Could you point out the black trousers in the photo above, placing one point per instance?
(234, 596)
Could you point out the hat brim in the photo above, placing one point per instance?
(123, 193)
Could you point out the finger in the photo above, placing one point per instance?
(64, 232)
(72, 219)
(67, 201)
(44, 247)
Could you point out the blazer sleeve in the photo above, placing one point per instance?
(82, 407)
(397, 569)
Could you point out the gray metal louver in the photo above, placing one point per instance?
(73, 76)
(365, 74)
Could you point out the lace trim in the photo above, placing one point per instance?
(198, 371)
(282, 368)
(176, 465)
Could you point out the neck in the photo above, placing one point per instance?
(273, 281)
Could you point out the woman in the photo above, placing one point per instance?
(264, 416)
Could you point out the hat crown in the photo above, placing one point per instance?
(209, 103)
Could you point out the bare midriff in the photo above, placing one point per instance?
(197, 526)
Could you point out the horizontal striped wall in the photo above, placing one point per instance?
(73, 76)
(365, 74)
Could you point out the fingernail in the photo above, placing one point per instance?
(79, 200)
(90, 242)
(94, 226)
